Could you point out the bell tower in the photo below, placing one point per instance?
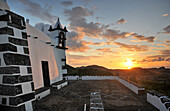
(58, 33)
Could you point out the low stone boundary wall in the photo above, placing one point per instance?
(133, 87)
(72, 77)
(158, 100)
(99, 77)
(92, 77)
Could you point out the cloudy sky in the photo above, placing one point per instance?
(107, 32)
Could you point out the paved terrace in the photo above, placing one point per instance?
(115, 97)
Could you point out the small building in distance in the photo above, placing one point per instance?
(30, 61)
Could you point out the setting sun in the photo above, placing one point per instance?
(129, 63)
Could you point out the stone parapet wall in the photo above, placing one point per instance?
(158, 100)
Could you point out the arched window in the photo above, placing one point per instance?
(61, 42)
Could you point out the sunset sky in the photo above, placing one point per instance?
(107, 32)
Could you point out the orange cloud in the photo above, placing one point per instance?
(166, 30)
(121, 21)
(75, 42)
(165, 15)
(167, 41)
(137, 48)
(143, 38)
(105, 50)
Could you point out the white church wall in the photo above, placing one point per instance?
(59, 55)
(41, 51)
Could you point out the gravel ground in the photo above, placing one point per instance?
(114, 95)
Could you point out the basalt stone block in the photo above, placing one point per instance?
(63, 59)
(34, 104)
(32, 86)
(9, 70)
(7, 30)
(4, 17)
(16, 25)
(25, 78)
(18, 41)
(16, 79)
(17, 21)
(26, 50)
(9, 108)
(10, 90)
(15, 18)
(29, 70)
(8, 47)
(21, 99)
(4, 101)
(10, 79)
(16, 59)
(64, 67)
(24, 35)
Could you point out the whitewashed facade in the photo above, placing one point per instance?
(30, 61)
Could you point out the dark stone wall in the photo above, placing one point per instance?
(9, 70)
(64, 67)
(16, 79)
(8, 108)
(10, 90)
(9, 81)
(32, 86)
(16, 25)
(8, 47)
(26, 50)
(16, 17)
(34, 105)
(63, 59)
(29, 70)
(16, 59)
(17, 21)
(24, 35)
(4, 17)
(18, 41)
(7, 30)
(21, 99)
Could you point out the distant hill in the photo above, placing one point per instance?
(151, 78)
(90, 70)
(134, 74)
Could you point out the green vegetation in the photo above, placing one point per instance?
(162, 87)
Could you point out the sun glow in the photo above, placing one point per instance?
(129, 63)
